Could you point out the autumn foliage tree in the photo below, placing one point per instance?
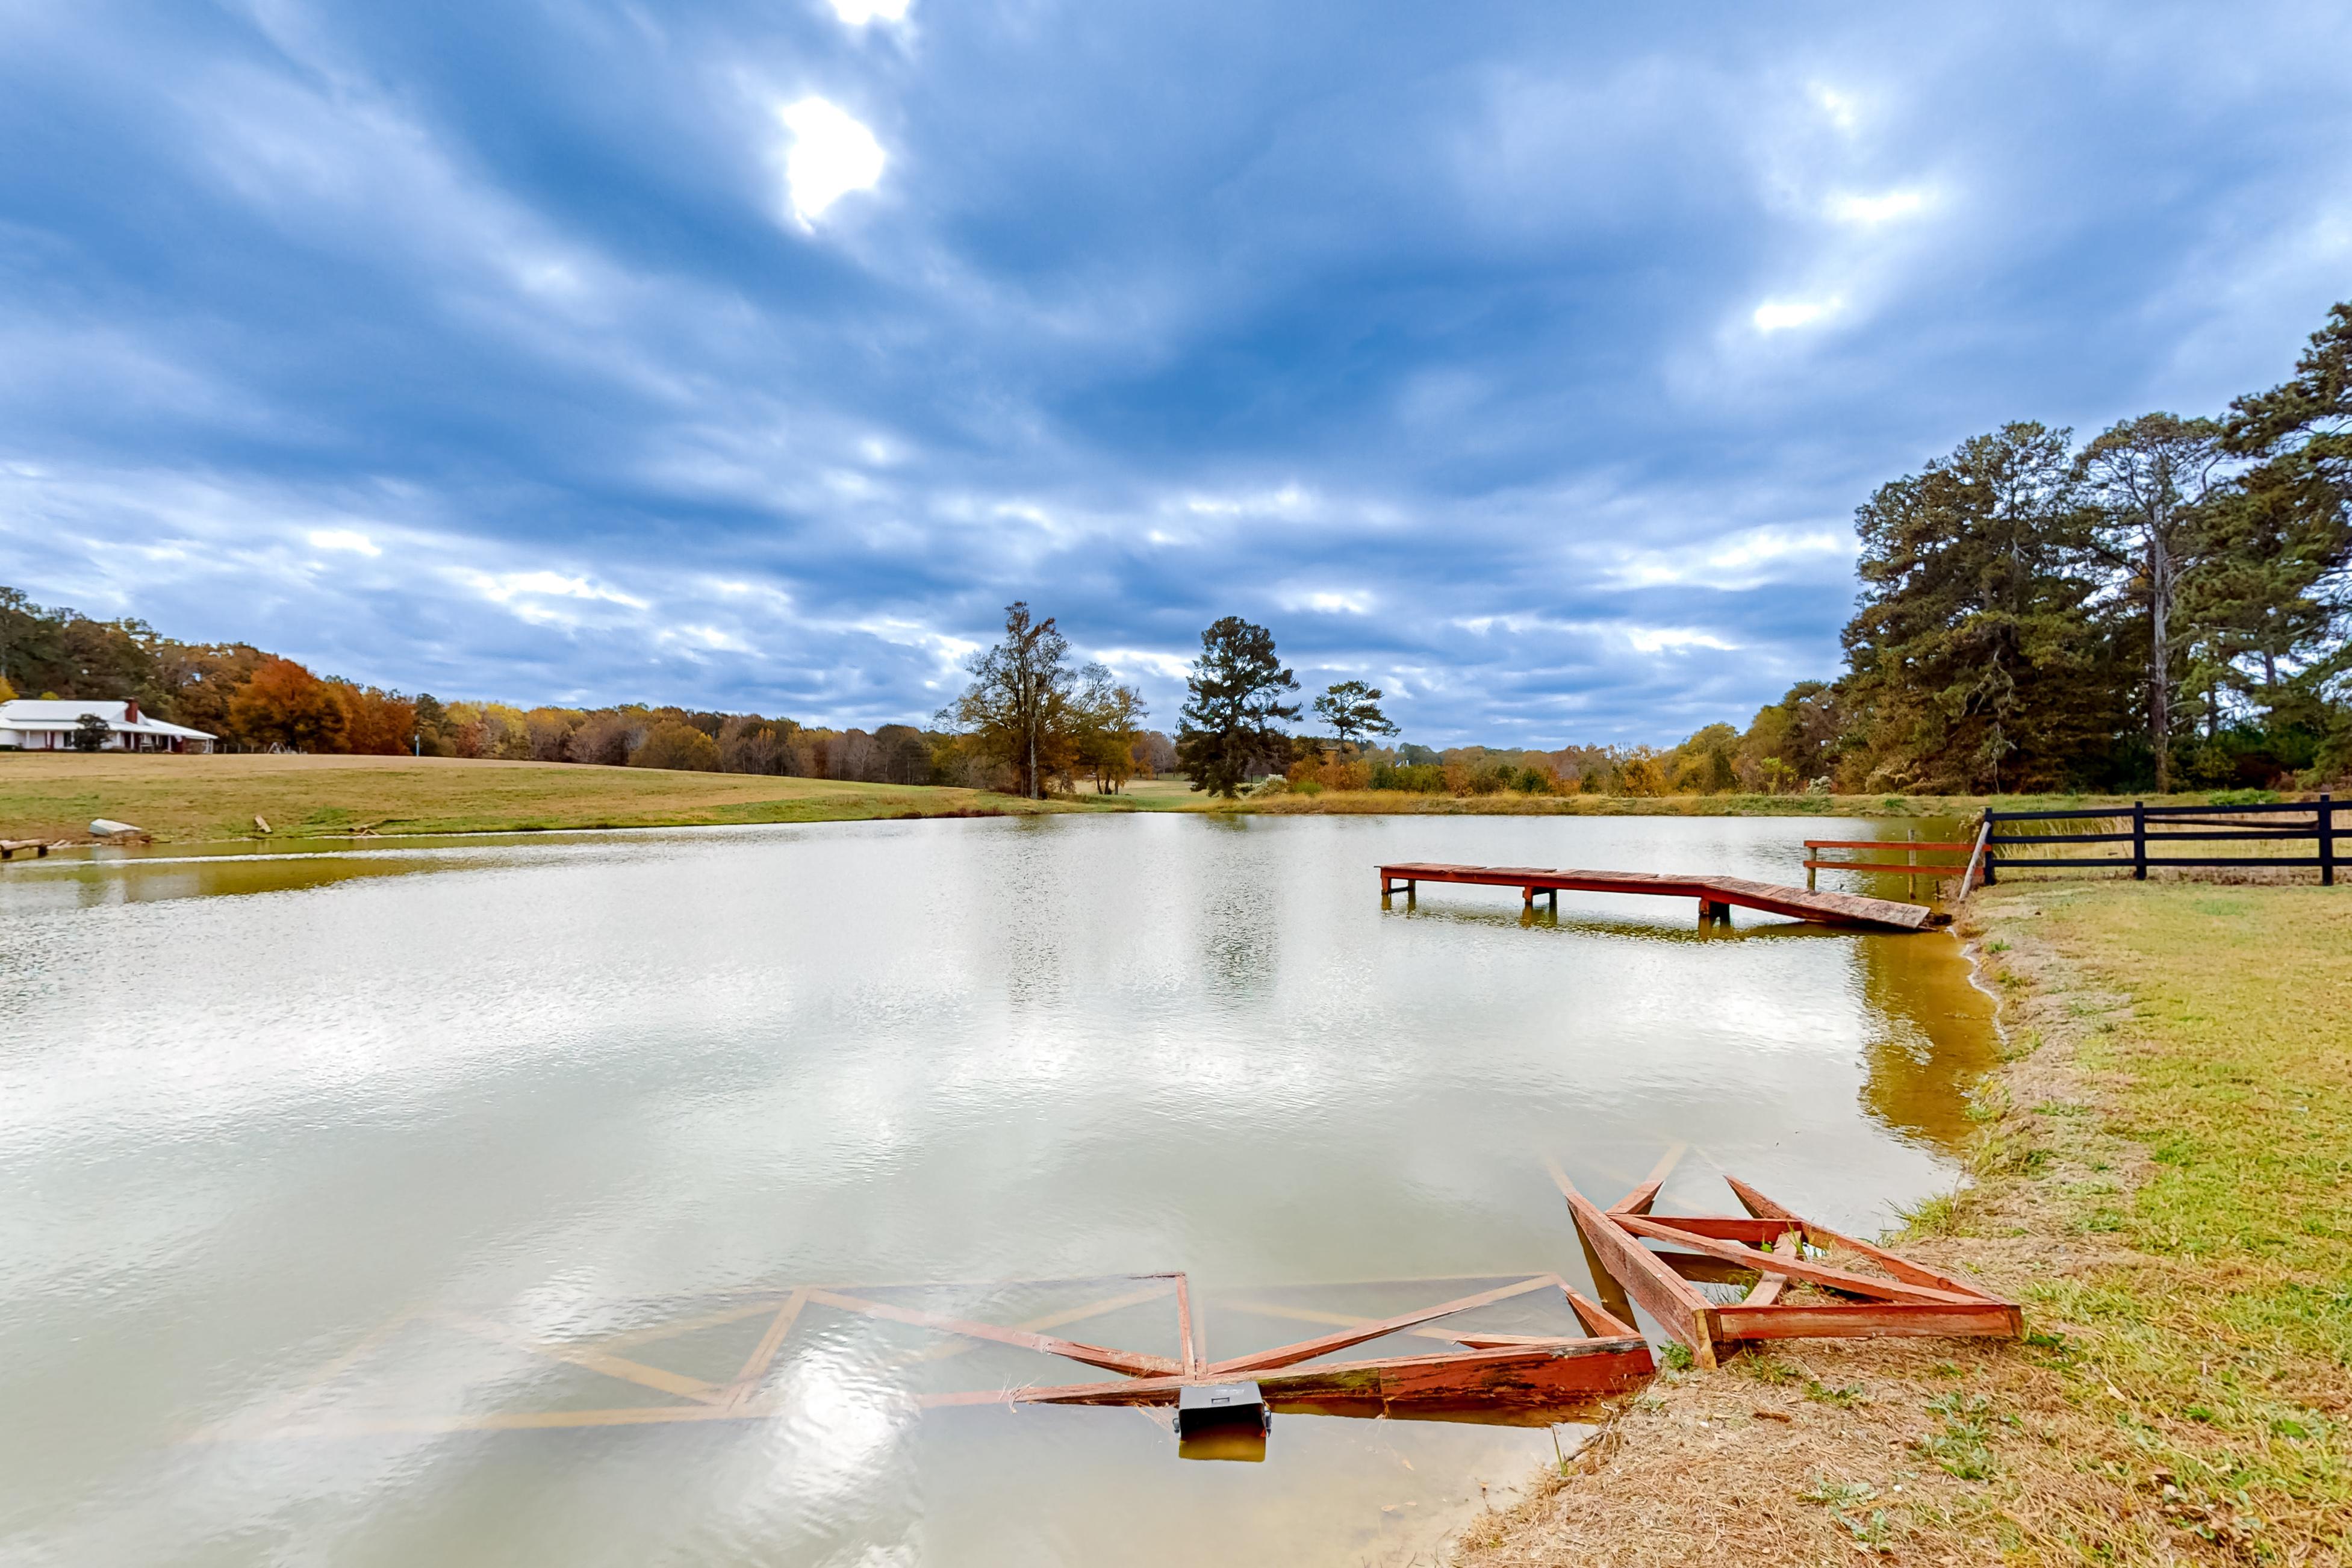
(375, 723)
(283, 705)
(678, 746)
(1018, 710)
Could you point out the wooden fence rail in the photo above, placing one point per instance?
(2166, 828)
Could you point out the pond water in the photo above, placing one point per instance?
(313, 1167)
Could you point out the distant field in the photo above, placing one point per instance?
(187, 799)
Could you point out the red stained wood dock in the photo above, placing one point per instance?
(1716, 895)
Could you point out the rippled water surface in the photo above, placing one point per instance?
(312, 1168)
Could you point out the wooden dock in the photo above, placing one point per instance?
(1716, 895)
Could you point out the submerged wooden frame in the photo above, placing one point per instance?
(1765, 1249)
(1498, 1374)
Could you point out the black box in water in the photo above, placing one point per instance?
(1210, 1408)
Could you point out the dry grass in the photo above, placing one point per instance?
(186, 799)
(2162, 1183)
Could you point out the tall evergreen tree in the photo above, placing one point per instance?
(2291, 583)
(2150, 481)
(1352, 709)
(1973, 659)
(1234, 704)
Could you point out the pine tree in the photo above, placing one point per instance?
(2151, 482)
(1234, 703)
(1352, 709)
(1974, 660)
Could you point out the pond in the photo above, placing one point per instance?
(312, 1167)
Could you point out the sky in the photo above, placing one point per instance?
(1526, 360)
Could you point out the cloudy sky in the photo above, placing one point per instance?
(1527, 360)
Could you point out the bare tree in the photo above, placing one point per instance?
(1018, 708)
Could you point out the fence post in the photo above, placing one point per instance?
(2139, 841)
(2326, 842)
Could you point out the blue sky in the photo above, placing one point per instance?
(1526, 360)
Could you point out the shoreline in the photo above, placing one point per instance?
(2156, 1179)
(346, 799)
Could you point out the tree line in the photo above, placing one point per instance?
(259, 701)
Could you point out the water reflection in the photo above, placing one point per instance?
(529, 1083)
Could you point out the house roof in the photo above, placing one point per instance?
(29, 714)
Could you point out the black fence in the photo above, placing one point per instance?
(2157, 831)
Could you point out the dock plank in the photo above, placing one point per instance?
(1772, 897)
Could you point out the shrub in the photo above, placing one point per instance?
(1419, 778)
(680, 747)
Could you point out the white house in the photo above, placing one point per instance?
(50, 726)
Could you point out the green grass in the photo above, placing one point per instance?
(2213, 1360)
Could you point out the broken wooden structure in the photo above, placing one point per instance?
(1496, 1374)
(1716, 895)
(1769, 1253)
(1503, 1377)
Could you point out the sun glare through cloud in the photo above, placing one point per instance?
(858, 13)
(1780, 315)
(833, 154)
(1869, 212)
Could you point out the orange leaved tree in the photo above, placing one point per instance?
(283, 705)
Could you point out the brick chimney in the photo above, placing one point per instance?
(130, 712)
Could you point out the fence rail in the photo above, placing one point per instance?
(2155, 831)
(2165, 827)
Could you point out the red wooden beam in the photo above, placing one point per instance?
(1679, 1310)
(1307, 1349)
(1539, 1374)
(1129, 1361)
(1812, 1273)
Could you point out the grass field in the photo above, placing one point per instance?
(53, 796)
(184, 799)
(2162, 1181)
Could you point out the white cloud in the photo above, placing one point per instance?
(1123, 661)
(1328, 602)
(1779, 315)
(1291, 500)
(1869, 212)
(1746, 560)
(831, 155)
(348, 538)
(507, 587)
(858, 13)
(710, 637)
(1674, 639)
(950, 650)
